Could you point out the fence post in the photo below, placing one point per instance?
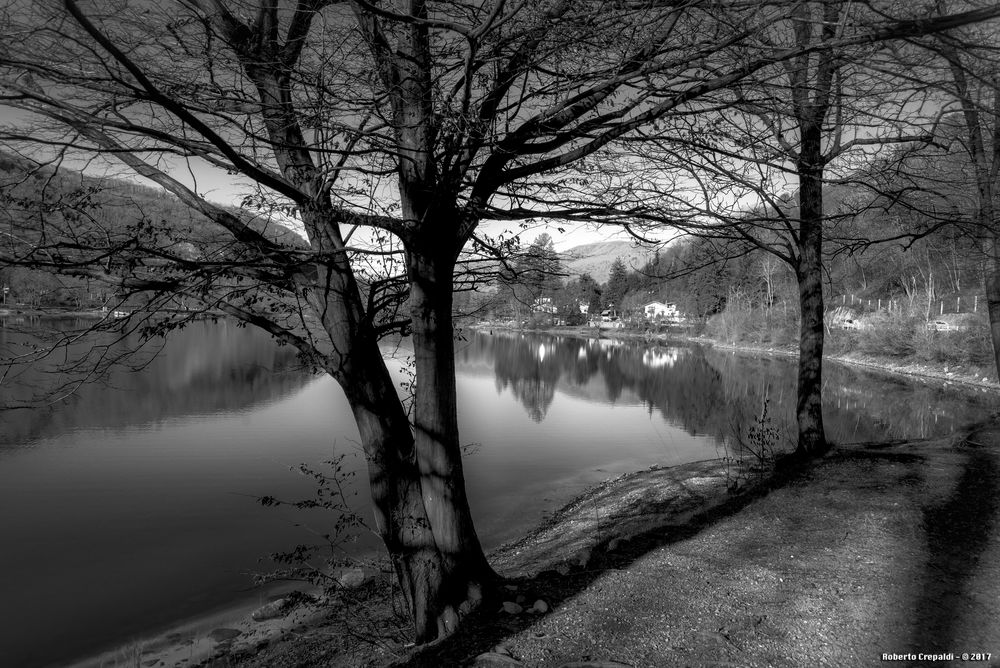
(975, 304)
(879, 304)
(958, 305)
(942, 308)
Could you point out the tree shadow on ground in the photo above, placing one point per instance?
(957, 532)
(484, 630)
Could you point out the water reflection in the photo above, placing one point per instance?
(531, 372)
(708, 392)
(205, 368)
(134, 506)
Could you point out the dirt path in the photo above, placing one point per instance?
(872, 550)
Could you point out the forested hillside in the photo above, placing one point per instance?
(596, 259)
(904, 261)
(79, 213)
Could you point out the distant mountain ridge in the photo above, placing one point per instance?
(596, 258)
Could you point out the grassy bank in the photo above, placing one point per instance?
(953, 347)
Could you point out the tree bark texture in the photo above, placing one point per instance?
(425, 536)
(809, 272)
(466, 575)
(401, 519)
(986, 166)
(992, 286)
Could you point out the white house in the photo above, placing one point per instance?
(543, 305)
(654, 310)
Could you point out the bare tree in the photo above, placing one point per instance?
(415, 120)
(965, 68)
(755, 164)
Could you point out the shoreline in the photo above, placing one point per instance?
(20, 311)
(605, 520)
(196, 639)
(671, 566)
(231, 631)
(913, 369)
(31, 312)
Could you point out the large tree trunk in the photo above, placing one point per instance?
(992, 287)
(422, 556)
(986, 167)
(809, 271)
(400, 517)
(466, 575)
(986, 163)
(422, 569)
(986, 218)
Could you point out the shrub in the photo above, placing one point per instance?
(890, 334)
(753, 441)
(971, 345)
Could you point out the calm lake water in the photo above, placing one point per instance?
(130, 506)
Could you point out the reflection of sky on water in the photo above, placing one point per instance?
(124, 529)
(526, 468)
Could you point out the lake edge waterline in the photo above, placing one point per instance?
(544, 355)
(177, 640)
(937, 372)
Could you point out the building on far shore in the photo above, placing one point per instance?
(544, 305)
(661, 310)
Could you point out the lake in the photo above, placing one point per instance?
(128, 504)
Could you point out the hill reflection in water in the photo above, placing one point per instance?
(706, 391)
(205, 368)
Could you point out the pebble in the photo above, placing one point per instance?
(512, 608)
(540, 607)
(350, 578)
(272, 610)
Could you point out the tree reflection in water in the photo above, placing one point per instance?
(205, 368)
(710, 392)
